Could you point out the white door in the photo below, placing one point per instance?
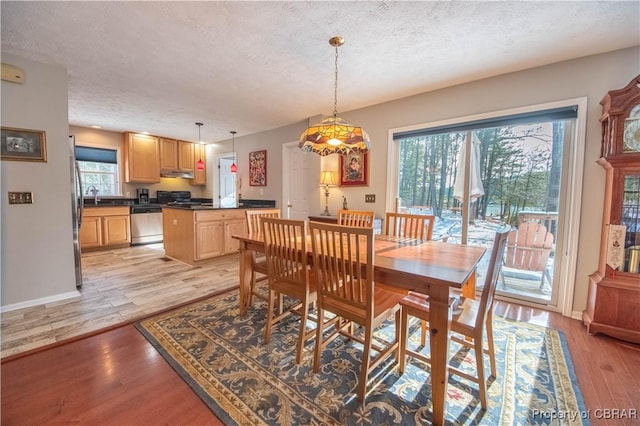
(227, 180)
(295, 179)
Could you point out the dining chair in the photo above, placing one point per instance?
(360, 218)
(258, 264)
(285, 242)
(470, 319)
(418, 226)
(343, 259)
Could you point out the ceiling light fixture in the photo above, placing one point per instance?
(234, 168)
(200, 163)
(334, 134)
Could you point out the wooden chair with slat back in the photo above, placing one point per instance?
(289, 274)
(343, 258)
(259, 265)
(418, 226)
(359, 218)
(471, 319)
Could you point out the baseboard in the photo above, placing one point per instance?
(41, 301)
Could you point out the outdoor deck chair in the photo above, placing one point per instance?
(529, 248)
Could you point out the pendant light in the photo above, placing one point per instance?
(200, 163)
(334, 134)
(234, 168)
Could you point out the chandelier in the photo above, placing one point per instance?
(335, 135)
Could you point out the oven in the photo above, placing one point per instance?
(146, 224)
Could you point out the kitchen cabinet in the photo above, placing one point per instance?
(196, 235)
(176, 156)
(105, 227)
(199, 176)
(613, 302)
(141, 158)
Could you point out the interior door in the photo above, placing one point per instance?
(295, 178)
(227, 183)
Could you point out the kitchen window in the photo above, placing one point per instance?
(99, 170)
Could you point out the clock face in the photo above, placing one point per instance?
(632, 131)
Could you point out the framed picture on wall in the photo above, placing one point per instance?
(258, 168)
(354, 170)
(23, 145)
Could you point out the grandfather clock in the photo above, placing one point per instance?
(613, 304)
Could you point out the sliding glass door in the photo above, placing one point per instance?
(476, 176)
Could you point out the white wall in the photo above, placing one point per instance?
(37, 239)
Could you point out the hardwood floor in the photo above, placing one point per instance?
(61, 374)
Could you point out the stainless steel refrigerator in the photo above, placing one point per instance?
(77, 206)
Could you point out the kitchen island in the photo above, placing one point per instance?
(195, 234)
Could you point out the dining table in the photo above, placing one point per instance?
(429, 267)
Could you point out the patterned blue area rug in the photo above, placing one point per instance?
(223, 358)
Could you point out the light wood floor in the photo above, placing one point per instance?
(118, 286)
(117, 377)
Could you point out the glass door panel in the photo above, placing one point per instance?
(507, 175)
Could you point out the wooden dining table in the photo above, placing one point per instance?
(428, 267)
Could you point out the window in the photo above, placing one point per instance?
(99, 170)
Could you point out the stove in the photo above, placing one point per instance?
(176, 198)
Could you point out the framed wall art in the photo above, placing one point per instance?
(354, 170)
(258, 168)
(23, 145)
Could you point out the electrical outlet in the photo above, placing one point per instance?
(369, 198)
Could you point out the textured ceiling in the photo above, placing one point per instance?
(253, 66)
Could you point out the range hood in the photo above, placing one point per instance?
(175, 174)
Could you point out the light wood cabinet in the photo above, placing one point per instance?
(105, 227)
(199, 176)
(176, 156)
(90, 232)
(193, 236)
(233, 227)
(141, 158)
(613, 302)
(210, 239)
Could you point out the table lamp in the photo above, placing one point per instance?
(327, 179)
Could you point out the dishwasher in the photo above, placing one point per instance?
(146, 224)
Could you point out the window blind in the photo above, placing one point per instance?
(97, 155)
(554, 114)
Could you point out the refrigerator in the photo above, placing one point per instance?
(77, 206)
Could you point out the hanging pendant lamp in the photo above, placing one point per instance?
(234, 168)
(200, 163)
(335, 135)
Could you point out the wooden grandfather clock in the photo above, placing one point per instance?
(613, 304)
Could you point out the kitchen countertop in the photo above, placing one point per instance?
(210, 207)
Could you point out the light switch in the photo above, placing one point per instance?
(20, 197)
(370, 198)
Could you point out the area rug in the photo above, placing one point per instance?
(222, 356)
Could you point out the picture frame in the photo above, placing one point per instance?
(258, 168)
(354, 170)
(23, 145)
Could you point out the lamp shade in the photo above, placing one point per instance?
(327, 178)
(334, 135)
